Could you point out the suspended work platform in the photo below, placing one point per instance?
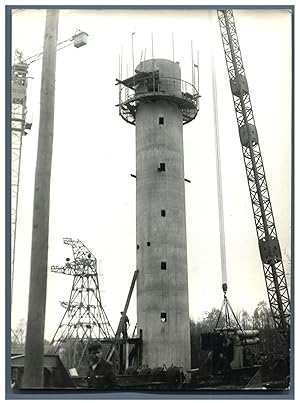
(145, 86)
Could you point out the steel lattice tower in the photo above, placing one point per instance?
(270, 253)
(18, 127)
(84, 318)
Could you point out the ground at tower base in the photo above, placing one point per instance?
(222, 361)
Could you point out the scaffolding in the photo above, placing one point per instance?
(146, 85)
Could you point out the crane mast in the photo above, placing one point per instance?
(268, 242)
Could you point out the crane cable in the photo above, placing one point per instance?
(218, 160)
(225, 305)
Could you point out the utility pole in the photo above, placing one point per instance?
(34, 347)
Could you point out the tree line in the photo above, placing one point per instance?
(261, 319)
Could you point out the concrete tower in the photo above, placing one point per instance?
(158, 102)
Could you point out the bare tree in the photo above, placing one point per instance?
(18, 333)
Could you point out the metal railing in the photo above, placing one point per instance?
(164, 86)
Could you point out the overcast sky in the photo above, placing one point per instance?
(92, 192)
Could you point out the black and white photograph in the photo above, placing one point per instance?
(151, 210)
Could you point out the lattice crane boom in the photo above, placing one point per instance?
(269, 247)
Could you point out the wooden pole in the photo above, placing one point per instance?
(34, 347)
(126, 355)
(123, 317)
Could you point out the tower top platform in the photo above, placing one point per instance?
(157, 79)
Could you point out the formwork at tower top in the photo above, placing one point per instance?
(159, 78)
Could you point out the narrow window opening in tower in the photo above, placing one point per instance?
(162, 167)
(138, 246)
(163, 317)
(148, 243)
(163, 213)
(161, 120)
(163, 265)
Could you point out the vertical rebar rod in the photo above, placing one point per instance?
(144, 59)
(126, 88)
(132, 50)
(121, 64)
(192, 55)
(120, 78)
(173, 50)
(153, 60)
(198, 71)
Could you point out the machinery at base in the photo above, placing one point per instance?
(229, 348)
(228, 345)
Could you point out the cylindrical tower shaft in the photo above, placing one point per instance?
(161, 103)
(162, 288)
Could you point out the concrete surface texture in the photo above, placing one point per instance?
(162, 285)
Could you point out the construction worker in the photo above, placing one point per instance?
(101, 373)
(125, 326)
(63, 356)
